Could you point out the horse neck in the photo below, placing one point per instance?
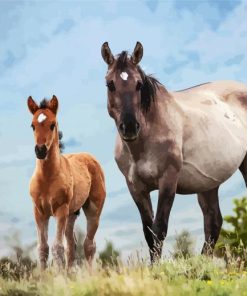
(51, 164)
(163, 103)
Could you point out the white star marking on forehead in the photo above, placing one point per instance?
(41, 117)
(124, 75)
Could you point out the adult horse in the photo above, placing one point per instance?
(61, 184)
(184, 142)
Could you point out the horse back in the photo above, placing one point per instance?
(214, 132)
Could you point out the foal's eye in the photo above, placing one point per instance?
(110, 85)
(52, 126)
(32, 126)
(139, 85)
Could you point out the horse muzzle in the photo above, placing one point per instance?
(129, 132)
(41, 151)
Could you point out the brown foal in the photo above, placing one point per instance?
(61, 184)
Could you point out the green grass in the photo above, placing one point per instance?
(194, 276)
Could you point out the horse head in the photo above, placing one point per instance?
(44, 124)
(130, 90)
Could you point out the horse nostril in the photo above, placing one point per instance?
(43, 149)
(40, 150)
(122, 127)
(137, 126)
(36, 148)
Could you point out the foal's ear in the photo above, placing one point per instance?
(106, 53)
(137, 53)
(53, 104)
(32, 106)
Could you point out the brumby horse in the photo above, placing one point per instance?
(184, 142)
(60, 186)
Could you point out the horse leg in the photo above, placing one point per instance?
(61, 216)
(42, 233)
(92, 213)
(167, 190)
(70, 239)
(243, 169)
(143, 202)
(209, 203)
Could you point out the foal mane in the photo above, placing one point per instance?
(61, 143)
(149, 83)
(44, 104)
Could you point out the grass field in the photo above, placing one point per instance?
(194, 276)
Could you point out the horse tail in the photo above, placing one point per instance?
(97, 192)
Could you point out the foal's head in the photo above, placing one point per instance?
(44, 124)
(130, 90)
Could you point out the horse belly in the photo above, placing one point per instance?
(191, 180)
(211, 161)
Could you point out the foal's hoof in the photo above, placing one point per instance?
(72, 270)
(43, 266)
(89, 249)
(58, 256)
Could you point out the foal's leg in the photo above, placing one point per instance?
(143, 202)
(209, 203)
(42, 233)
(71, 245)
(92, 215)
(61, 216)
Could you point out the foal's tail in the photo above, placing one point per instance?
(97, 192)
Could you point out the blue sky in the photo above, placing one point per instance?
(53, 47)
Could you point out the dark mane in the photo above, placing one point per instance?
(61, 143)
(44, 104)
(148, 90)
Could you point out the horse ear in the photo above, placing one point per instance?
(107, 54)
(32, 106)
(53, 104)
(137, 53)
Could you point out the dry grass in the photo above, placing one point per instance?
(197, 275)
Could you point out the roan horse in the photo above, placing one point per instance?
(184, 142)
(60, 186)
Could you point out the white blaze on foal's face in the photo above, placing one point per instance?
(42, 117)
(124, 75)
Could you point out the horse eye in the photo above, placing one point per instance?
(139, 85)
(110, 85)
(32, 126)
(52, 126)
